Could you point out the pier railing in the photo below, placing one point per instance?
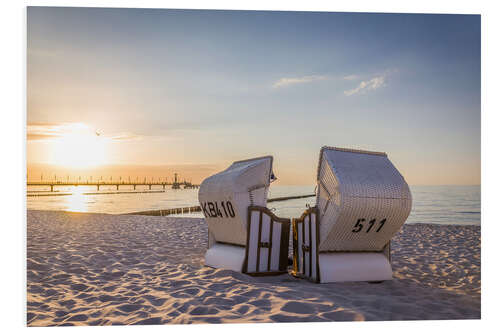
(117, 184)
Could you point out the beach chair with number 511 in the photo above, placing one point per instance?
(244, 235)
(361, 202)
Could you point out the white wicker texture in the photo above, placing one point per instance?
(225, 197)
(362, 200)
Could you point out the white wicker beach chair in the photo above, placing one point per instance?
(243, 234)
(362, 201)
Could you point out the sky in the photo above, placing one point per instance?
(151, 91)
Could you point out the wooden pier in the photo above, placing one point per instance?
(176, 184)
(98, 184)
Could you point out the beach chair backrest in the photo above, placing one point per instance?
(226, 196)
(362, 200)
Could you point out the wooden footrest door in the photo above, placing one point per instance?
(267, 242)
(305, 245)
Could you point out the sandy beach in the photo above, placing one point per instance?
(100, 269)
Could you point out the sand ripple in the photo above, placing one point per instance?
(98, 269)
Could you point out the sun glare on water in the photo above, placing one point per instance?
(77, 202)
(80, 147)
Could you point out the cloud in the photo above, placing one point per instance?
(287, 81)
(372, 84)
(40, 137)
(37, 131)
(44, 131)
(124, 137)
(350, 77)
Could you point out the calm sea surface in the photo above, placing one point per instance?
(431, 204)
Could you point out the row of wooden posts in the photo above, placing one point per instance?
(192, 209)
(170, 211)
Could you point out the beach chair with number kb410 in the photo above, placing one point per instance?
(244, 235)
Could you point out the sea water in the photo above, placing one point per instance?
(431, 204)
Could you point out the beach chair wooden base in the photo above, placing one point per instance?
(266, 250)
(325, 267)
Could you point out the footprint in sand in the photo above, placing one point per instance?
(68, 304)
(79, 287)
(261, 303)
(106, 298)
(61, 313)
(149, 321)
(298, 307)
(78, 317)
(129, 307)
(155, 301)
(281, 318)
(30, 316)
(341, 316)
(243, 309)
(203, 310)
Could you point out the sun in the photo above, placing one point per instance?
(79, 147)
